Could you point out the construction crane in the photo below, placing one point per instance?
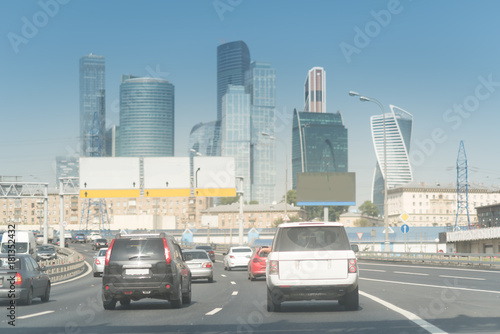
(462, 186)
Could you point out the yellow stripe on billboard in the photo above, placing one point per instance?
(167, 192)
(110, 193)
(215, 192)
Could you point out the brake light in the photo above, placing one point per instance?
(167, 251)
(273, 267)
(231, 256)
(256, 260)
(206, 265)
(18, 279)
(97, 261)
(352, 266)
(108, 252)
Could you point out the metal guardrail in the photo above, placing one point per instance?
(453, 259)
(67, 266)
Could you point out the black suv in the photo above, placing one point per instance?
(141, 266)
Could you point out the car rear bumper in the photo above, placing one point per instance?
(201, 273)
(297, 293)
(139, 288)
(16, 294)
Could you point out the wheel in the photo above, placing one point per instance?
(46, 296)
(228, 268)
(177, 303)
(211, 279)
(186, 297)
(125, 302)
(29, 297)
(252, 277)
(351, 300)
(271, 305)
(108, 304)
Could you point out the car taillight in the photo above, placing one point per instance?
(206, 265)
(273, 267)
(167, 251)
(231, 256)
(256, 260)
(97, 261)
(18, 279)
(352, 265)
(108, 252)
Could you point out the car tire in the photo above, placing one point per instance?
(177, 303)
(228, 268)
(186, 297)
(211, 279)
(125, 302)
(96, 274)
(46, 296)
(351, 300)
(272, 306)
(109, 304)
(28, 300)
(252, 278)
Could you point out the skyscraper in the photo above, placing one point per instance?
(235, 132)
(398, 128)
(92, 105)
(319, 143)
(233, 60)
(315, 90)
(146, 117)
(260, 83)
(203, 139)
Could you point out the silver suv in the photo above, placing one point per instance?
(312, 261)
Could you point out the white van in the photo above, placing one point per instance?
(24, 242)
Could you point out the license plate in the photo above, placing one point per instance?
(136, 271)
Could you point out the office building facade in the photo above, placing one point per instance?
(147, 116)
(319, 143)
(398, 128)
(92, 105)
(315, 90)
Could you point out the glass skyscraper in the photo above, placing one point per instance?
(92, 106)
(398, 128)
(146, 117)
(235, 132)
(204, 139)
(233, 60)
(260, 84)
(319, 143)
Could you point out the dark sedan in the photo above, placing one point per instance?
(46, 252)
(22, 279)
(99, 243)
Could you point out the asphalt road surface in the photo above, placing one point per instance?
(394, 299)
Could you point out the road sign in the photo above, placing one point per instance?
(404, 217)
(405, 228)
(166, 177)
(285, 218)
(214, 176)
(109, 177)
(390, 230)
(64, 223)
(360, 235)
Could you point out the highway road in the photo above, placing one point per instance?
(394, 299)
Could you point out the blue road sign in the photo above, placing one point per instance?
(405, 228)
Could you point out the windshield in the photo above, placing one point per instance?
(311, 238)
(46, 248)
(20, 247)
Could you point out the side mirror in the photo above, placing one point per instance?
(224, 253)
(355, 248)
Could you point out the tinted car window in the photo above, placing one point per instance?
(46, 248)
(130, 249)
(21, 247)
(311, 238)
(242, 250)
(101, 240)
(102, 252)
(197, 255)
(4, 263)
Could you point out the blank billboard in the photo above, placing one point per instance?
(326, 189)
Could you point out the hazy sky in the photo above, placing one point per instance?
(438, 60)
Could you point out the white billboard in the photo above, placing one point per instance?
(214, 176)
(167, 177)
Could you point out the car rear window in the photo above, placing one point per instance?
(101, 240)
(20, 247)
(137, 249)
(311, 238)
(242, 250)
(196, 255)
(208, 248)
(4, 263)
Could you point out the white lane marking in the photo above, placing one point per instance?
(89, 269)
(235, 293)
(407, 273)
(430, 286)
(34, 315)
(233, 282)
(215, 310)
(472, 278)
(223, 275)
(411, 316)
(377, 270)
(436, 268)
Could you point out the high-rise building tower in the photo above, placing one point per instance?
(92, 101)
(315, 90)
(398, 128)
(260, 83)
(146, 117)
(235, 132)
(233, 60)
(319, 143)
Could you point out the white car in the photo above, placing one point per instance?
(237, 257)
(98, 262)
(94, 236)
(312, 261)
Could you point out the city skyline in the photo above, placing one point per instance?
(449, 83)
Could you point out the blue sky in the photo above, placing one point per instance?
(426, 57)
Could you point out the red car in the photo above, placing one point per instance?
(257, 264)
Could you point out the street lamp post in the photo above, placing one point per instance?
(386, 212)
(265, 134)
